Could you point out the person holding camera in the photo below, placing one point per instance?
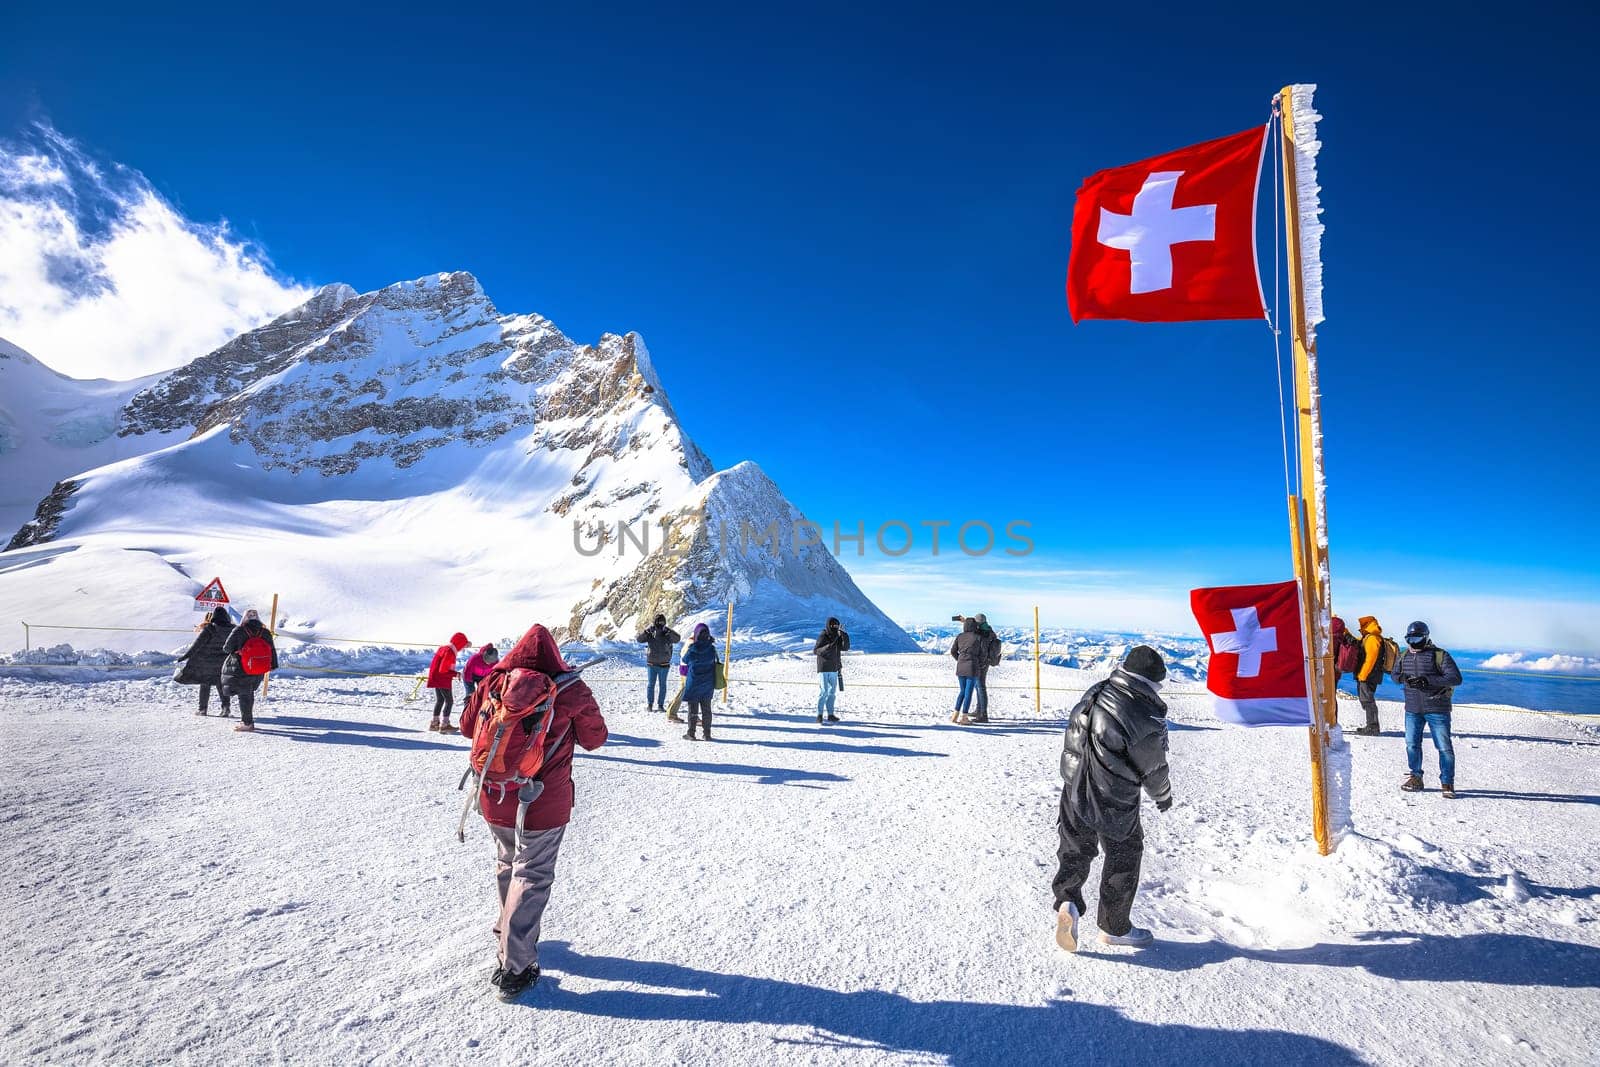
(830, 646)
(1430, 676)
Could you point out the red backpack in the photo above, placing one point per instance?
(508, 745)
(255, 655)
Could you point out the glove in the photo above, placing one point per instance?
(1423, 684)
(1163, 805)
(683, 670)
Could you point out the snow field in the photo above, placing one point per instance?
(875, 892)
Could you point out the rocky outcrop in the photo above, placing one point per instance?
(47, 519)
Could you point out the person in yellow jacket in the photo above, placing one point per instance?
(1370, 673)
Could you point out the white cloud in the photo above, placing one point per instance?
(101, 277)
(1556, 664)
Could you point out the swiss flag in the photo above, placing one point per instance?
(1170, 238)
(1257, 675)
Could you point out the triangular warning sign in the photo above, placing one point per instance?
(213, 593)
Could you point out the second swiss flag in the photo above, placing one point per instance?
(1170, 238)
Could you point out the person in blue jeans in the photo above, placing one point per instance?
(969, 651)
(1430, 676)
(831, 645)
(661, 640)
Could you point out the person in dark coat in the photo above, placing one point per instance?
(991, 658)
(831, 645)
(236, 682)
(1116, 746)
(1430, 676)
(699, 668)
(202, 663)
(968, 651)
(661, 639)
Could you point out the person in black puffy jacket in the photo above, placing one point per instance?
(238, 683)
(202, 663)
(1430, 676)
(1115, 747)
(829, 649)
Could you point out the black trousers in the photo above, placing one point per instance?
(205, 696)
(443, 701)
(247, 705)
(1367, 693)
(699, 713)
(1119, 874)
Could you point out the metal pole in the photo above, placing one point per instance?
(727, 658)
(1038, 703)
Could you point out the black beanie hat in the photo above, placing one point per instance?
(1145, 662)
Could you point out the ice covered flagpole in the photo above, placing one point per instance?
(1302, 210)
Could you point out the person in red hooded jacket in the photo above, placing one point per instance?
(442, 680)
(525, 871)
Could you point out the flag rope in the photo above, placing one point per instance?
(1277, 308)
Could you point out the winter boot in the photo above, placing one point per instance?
(495, 975)
(1447, 791)
(434, 726)
(955, 716)
(964, 720)
(514, 985)
(226, 713)
(1136, 936)
(1067, 926)
(689, 735)
(705, 733)
(673, 716)
(201, 712)
(1367, 731)
(832, 717)
(819, 718)
(445, 727)
(1412, 784)
(244, 728)
(980, 718)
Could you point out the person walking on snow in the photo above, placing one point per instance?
(442, 680)
(202, 663)
(244, 665)
(992, 650)
(477, 669)
(969, 651)
(1116, 745)
(661, 639)
(699, 668)
(525, 869)
(831, 645)
(1430, 676)
(1370, 674)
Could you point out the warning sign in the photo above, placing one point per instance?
(212, 596)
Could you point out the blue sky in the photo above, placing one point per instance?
(844, 237)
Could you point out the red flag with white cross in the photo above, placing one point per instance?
(1257, 675)
(1171, 238)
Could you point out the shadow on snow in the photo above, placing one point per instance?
(759, 775)
(967, 1033)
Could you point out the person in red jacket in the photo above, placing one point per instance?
(525, 870)
(442, 680)
(478, 668)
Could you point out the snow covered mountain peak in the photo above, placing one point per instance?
(415, 440)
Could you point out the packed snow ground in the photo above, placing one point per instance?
(876, 892)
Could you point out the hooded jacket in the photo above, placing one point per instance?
(234, 679)
(478, 668)
(701, 660)
(442, 669)
(575, 718)
(970, 650)
(1371, 651)
(661, 640)
(832, 642)
(1116, 744)
(202, 663)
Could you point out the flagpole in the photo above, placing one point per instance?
(1308, 511)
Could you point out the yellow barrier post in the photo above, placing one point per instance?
(727, 659)
(1038, 701)
(272, 628)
